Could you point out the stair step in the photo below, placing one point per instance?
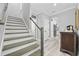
(17, 40)
(15, 31)
(12, 27)
(32, 51)
(15, 20)
(36, 53)
(11, 17)
(14, 43)
(14, 23)
(15, 36)
(21, 37)
(17, 51)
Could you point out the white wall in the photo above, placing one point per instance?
(43, 21)
(1, 36)
(1, 9)
(63, 19)
(26, 12)
(14, 9)
(21, 10)
(44, 11)
(66, 18)
(37, 8)
(1, 26)
(45, 24)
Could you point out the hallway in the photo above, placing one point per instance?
(33, 23)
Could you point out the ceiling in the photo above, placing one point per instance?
(49, 8)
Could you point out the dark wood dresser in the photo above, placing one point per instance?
(68, 43)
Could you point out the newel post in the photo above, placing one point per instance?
(42, 41)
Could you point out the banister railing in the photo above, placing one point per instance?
(35, 23)
(42, 36)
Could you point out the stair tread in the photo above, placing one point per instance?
(17, 35)
(23, 51)
(15, 25)
(16, 43)
(15, 19)
(9, 22)
(32, 51)
(14, 22)
(36, 53)
(14, 28)
(20, 50)
(16, 31)
(16, 40)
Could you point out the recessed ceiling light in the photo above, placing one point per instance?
(54, 4)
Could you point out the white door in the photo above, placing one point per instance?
(52, 29)
(53, 22)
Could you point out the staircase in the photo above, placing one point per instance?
(18, 41)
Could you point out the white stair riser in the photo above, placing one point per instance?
(16, 41)
(16, 35)
(11, 27)
(14, 22)
(9, 24)
(15, 31)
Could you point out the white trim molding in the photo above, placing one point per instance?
(64, 10)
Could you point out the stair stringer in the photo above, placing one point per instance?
(3, 35)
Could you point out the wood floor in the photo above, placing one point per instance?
(52, 47)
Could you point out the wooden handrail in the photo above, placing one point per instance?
(35, 23)
(42, 36)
